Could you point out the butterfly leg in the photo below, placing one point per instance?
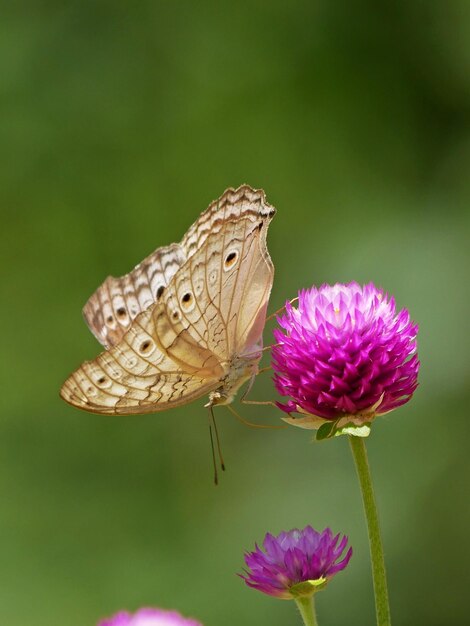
(273, 315)
(259, 402)
(250, 354)
(250, 424)
(243, 399)
(255, 402)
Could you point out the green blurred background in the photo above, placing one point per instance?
(120, 123)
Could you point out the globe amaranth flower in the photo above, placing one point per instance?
(149, 617)
(344, 355)
(295, 563)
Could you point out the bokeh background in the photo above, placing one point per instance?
(119, 123)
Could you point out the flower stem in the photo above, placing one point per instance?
(306, 607)
(379, 577)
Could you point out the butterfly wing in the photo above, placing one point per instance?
(219, 296)
(135, 376)
(112, 308)
(214, 305)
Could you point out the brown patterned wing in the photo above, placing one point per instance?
(212, 309)
(232, 205)
(112, 308)
(135, 376)
(218, 298)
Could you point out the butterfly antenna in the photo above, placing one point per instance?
(219, 449)
(214, 464)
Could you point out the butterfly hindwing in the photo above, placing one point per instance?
(112, 308)
(135, 376)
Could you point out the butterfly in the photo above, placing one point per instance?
(187, 322)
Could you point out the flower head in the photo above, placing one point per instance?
(295, 563)
(149, 617)
(344, 353)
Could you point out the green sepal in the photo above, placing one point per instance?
(307, 588)
(354, 430)
(331, 429)
(327, 430)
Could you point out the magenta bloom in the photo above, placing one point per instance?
(149, 617)
(344, 352)
(295, 563)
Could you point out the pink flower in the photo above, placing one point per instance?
(344, 354)
(149, 617)
(296, 563)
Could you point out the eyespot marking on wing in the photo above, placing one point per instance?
(147, 347)
(230, 259)
(188, 302)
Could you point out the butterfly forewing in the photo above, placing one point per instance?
(253, 302)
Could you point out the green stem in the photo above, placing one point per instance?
(379, 577)
(306, 607)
